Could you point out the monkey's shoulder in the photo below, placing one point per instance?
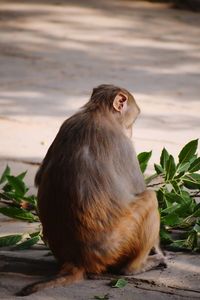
(85, 128)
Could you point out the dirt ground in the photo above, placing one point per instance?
(52, 53)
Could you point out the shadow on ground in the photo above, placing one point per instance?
(178, 281)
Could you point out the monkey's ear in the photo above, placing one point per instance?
(120, 102)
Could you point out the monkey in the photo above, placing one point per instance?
(95, 209)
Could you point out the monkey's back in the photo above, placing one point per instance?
(85, 183)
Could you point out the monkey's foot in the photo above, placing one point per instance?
(153, 262)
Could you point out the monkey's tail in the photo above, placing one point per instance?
(60, 280)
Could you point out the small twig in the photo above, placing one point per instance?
(28, 162)
(196, 194)
(8, 202)
(155, 184)
(11, 203)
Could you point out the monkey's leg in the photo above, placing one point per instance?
(144, 263)
(145, 213)
(155, 260)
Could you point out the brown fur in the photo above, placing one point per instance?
(92, 199)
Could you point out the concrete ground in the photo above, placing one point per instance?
(52, 53)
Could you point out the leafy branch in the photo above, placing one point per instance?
(16, 203)
(177, 189)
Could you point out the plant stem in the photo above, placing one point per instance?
(150, 178)
(155, 184)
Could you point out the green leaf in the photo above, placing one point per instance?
(31, 199)
(22, 175)
(105, 297)
(28, 243)
(10, 240)
(176, 186)
(196, 212)
(189, 202)
(36, 233)
(195, 166)
(12, 196)
(171, 220)
(6, 172)
(196, 228)
(184, 210)
(158, 169)
(143, 159)
(185, 203)
(119, 283)
(188, 151)
(191, 219)
(188, 222)
(171, 209)
(178, 244)
(18, 213)
(165, 236)
(185, 195)
(7, 188)
(161, 199)
(170, 168)
(193, 158)
(173, 197)
(164, 158)
(192, 181)
(191, 241)
(183, 167)
(17, 184)
(178, 176)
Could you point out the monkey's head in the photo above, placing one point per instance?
(117, 101)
